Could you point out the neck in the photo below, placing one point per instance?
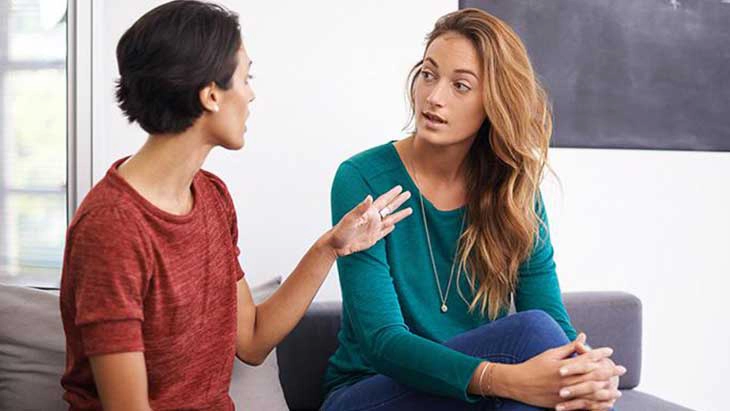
(162, 170)
(437, 163)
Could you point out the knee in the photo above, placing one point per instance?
(539, 332)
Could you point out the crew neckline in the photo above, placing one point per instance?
(117, 179)
(426, 201)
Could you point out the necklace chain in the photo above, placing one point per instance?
(443, 296)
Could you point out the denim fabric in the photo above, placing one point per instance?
(512, 339)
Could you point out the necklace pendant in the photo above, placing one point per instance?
(444, 308)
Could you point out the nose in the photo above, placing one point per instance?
(436, 97)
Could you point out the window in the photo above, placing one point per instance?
(33, 195)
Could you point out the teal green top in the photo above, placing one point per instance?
(391, 318)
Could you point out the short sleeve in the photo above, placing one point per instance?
(110, 268)
(233, 224)
(232, 220)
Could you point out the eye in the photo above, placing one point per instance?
(427, 75)
(463, 87)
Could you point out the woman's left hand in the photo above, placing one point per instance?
(596, 389)
(368, 222)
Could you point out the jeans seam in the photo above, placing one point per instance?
(502, 356)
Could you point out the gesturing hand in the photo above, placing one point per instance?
(368, 222)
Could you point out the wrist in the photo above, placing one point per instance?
(505, 378)
(324, 245)
(476, 384)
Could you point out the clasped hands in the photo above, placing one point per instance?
(588, 380)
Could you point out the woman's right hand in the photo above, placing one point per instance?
(368, 222)
(538, 381)
(597, 389)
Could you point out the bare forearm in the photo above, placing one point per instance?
(279, 314)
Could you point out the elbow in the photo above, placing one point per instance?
(375, 348)
(253, 358)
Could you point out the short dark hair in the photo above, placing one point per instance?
(168, 56)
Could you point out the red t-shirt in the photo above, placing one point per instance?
(136, 278)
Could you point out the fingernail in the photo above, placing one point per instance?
(564, 393)
(620, 394)
(563, 371)
(622, 369)
(560, 408)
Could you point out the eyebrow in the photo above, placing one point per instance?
(465, 71)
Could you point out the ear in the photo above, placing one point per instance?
(210, 97)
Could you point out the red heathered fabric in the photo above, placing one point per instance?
(136, 278)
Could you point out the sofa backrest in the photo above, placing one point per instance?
(608, 318)
(33, 356)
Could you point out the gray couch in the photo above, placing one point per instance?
(32, 354)
(608, 318)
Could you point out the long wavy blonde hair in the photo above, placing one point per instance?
(505, 163)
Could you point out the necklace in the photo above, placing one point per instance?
(443, 296)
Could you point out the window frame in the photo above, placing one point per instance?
(80, 75)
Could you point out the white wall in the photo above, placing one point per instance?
(655, 224)
(330, 81)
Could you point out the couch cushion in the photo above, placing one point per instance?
(304, 354)
(33, 357)
(633, 400)
(258, 388)
(32, 350)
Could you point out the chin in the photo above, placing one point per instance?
(444, 137)
(234, 144)
(239, 144)
(437, 138)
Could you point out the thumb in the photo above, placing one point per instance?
(364, 205)
(580, 344)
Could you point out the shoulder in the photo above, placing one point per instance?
(110, 233)
(215, 182)
(371, 163)
(106, 208)
(215, 185)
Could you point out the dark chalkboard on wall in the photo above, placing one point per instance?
(639, 74)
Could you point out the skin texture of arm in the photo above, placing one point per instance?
(121, 380)
(261, 327)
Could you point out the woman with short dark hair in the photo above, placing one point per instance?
(153, 299)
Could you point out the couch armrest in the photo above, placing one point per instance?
(610, 319)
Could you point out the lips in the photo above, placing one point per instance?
(435, 118)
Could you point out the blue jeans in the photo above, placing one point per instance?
(511, 339)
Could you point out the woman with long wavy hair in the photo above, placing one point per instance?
(425, 322)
